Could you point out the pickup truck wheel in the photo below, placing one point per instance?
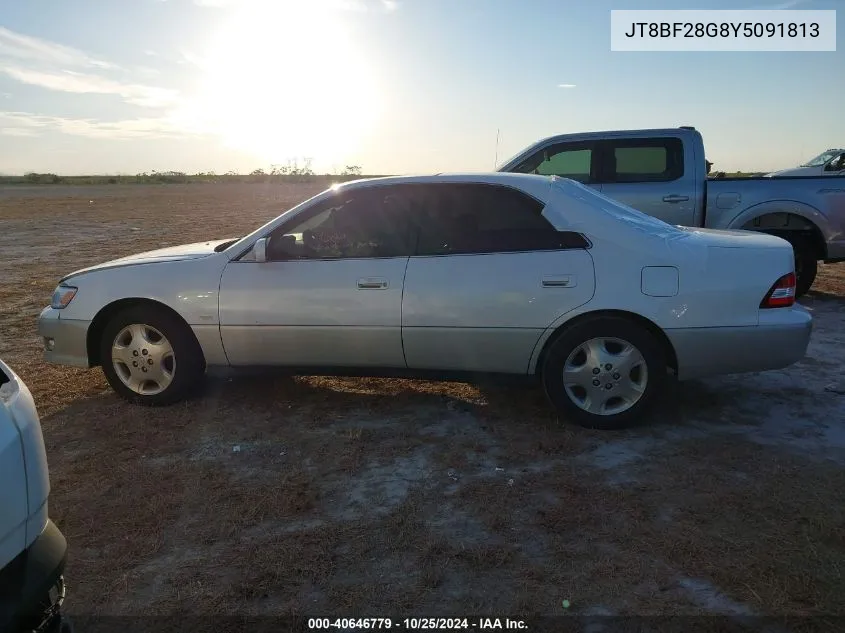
(806, 268)
(604, 373)
(150, 356)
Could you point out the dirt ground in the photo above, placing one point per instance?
(370, 497)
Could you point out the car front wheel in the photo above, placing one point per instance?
(150, 356)
(604, 373)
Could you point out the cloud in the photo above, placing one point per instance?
(53, 66)
(147, 71)
(566, 86)
(789, 4)
(82, 83)
(27, 124)
(189, 57)
(343, 5)
(17, 131)
(27, 48)
(36, 62)
(363, 5)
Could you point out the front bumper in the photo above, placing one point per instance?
(779, 340)
(31, 586)
(65, 340)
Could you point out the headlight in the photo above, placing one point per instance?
(62, 296)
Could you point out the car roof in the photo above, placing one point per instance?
(533, 184)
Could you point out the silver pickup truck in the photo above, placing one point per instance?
(664, 173)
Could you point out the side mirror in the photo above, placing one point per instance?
(260, 250)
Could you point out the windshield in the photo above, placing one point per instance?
(264, 227)
(822, 158)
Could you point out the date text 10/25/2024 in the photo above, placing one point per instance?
(424, 624)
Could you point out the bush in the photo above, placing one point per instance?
(37, 179)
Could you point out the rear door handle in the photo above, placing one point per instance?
(372, 283)
(675, 198)
(565, 281)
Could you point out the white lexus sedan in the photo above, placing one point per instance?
(447, 276)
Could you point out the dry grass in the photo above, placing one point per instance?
(372, 496)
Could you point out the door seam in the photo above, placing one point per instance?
(219, 323)
(402, 312)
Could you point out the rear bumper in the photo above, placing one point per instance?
(64, 340)
(780, 339)
(26, 582)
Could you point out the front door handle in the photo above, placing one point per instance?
(675, 198)
(372, 283)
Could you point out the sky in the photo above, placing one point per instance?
(392, 86)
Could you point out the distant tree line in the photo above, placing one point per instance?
(294, 171)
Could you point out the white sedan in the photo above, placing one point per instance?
(447, 276)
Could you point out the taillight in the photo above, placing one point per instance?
(782, 294)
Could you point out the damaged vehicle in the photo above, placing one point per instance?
(830, 162)
(444, 276)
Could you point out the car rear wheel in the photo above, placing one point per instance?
(806, 267)
(150, 356)
(604, 373)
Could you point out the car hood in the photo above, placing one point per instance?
(169, 254)
(796, 171)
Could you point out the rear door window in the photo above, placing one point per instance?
(465, 219)
(643, 160)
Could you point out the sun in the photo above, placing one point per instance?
(283, 80)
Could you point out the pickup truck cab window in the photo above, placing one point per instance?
(821, 159)
(643, 160)
(837, 164)
(573, 160)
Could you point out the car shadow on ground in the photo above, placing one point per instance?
(273, 493)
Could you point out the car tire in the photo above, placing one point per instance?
(806, 267)
(150, 356)
(609, 351)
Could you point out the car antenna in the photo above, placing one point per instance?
(496, 158)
